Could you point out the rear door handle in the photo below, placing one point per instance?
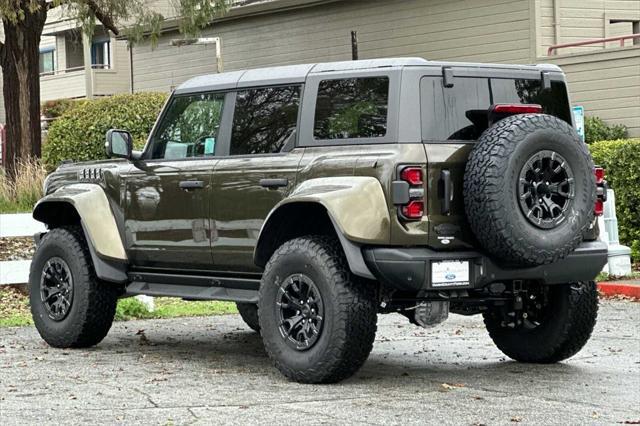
(274, 183)
(188, 185)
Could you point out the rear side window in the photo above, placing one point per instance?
(352, 108)
(265, 120)
(461, 112)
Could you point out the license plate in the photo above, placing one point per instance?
(449, 273)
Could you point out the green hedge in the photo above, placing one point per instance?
(78, 134)
(621, 159)
(55, 108)
(595, 129)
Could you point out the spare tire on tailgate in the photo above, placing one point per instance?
(529, 189)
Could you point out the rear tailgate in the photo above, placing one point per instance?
(453, 117)
(448, 227)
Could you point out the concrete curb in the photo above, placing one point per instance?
(619, 289)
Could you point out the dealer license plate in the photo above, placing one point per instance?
(449, 273)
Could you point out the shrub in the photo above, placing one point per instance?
(55, 108)
(621, 159)
(79, 134)
(595, 129)
(20, 195)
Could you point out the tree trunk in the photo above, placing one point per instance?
(19, 59)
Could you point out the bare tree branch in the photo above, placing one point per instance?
(102, 17)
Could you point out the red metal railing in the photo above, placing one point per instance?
(596, 41)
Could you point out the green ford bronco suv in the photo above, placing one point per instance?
(319, 196)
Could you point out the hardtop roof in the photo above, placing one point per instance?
(298, 73)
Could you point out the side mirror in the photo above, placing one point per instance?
(119, 144)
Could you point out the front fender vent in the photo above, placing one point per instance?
(90, 174)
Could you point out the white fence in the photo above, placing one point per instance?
(17, 271)
(17, 225)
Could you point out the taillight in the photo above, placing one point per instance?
(601, 191)
(517, 108)
(412, 175)
(412, 204)
(413, 210)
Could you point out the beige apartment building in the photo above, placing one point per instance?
(604, 77)
(73, 66)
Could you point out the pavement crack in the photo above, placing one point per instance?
(195, 419)
(146, 395)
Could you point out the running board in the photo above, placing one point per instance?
(194, 287)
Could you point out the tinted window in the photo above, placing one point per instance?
(352, 108)
(458, 112)
(554, 101)
(461, 112)
(264, 120)
(189, 128)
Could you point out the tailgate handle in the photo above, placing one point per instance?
(191, 184)
(445, 181)
(274, 183)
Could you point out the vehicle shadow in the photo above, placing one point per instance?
(242, 350)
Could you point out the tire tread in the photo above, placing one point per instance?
(356, 314)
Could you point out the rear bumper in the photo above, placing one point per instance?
(409, 269)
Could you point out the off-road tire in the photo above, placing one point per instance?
(93, 305)
(249, 314)
(491, 194)
(350, 308)
(574, 310)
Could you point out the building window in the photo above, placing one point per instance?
(101, 54)
(624, 27)
(47, 61)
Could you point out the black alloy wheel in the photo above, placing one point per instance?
(546, 189)
(300, 311)
(56, 288)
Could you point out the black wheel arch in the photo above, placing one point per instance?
(56, 214)
(302, 218)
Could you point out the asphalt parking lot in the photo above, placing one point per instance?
(214, 371)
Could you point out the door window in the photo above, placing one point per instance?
(265, 120)
(189, 127)
(352, 108)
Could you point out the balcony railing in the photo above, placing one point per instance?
(621, 39)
